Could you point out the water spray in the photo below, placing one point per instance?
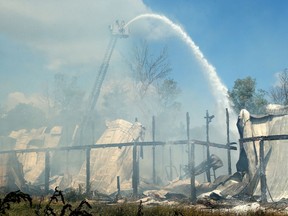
(219, 89)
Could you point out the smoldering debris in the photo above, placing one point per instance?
(213, 163)
(114, 173)
(26, 168)
(108, 163)
(30, 162)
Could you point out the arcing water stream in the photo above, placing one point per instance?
(219, 89)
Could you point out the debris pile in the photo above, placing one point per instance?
(108, 163)
(24, 169)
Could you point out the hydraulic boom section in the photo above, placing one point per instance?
(118, 30)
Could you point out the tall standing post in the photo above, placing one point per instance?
(93, 133)
(188, 141)
(88, 150)
(47, 171)
(118, 187)
(208, 120)
(135, 174)
(191, 161)
(153, 151)
(262, 173)
(170, 164)
(228, 143)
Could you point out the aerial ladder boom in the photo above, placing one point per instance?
(117, 31)
(94, 95)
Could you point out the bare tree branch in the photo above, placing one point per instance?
(279, 93)
(147, 68)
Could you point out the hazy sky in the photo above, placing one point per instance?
(40, 38)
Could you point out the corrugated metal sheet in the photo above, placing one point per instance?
(107, 164)
(11, 171)
(34, 163)
(277, 169)
(4, 160)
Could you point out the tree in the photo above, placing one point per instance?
(244, 96)
(168, 91)
(147, 68)
(68, 96)
(23, 116)
(116, 99)
(67, 100)
(279, 93)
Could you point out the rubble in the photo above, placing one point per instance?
(108, 163)
(275, 152)
(34, 162)
(238, 192)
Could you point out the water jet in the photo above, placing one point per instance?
(219, 89)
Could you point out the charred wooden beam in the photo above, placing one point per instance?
(208, 120)
(120, 145)
(265, 138)
(263, 182)
(153, 151)
(135, 171)
(88, 151)
(228, 143)
(170, 164)
(191, 161)
(47, 172)
(118, 186)
(204, 143)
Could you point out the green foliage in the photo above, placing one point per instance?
(12, 205)
(13, 197)
(140, 209)
(79, 210)
(68, 95)
(72, 195)
(244, 96)
(168, 91)
(117, 97)
(68, 100)
(49, 210)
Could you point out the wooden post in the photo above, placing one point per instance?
(134, 174)
(191, 161)
(170, 164)
(88, 150)
(214, 174)
(118, 186)
(208, 174)
(188, 140)
(47, 171)
(93, 132)
(153, 151)
(262, 174)
(228, 143)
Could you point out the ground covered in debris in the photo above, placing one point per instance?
(135, 208)
(61, 203)
(208, 206)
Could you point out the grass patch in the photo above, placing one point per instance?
(18, 203)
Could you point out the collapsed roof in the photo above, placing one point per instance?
(105, 163)
(275, 152)
(108, 163)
